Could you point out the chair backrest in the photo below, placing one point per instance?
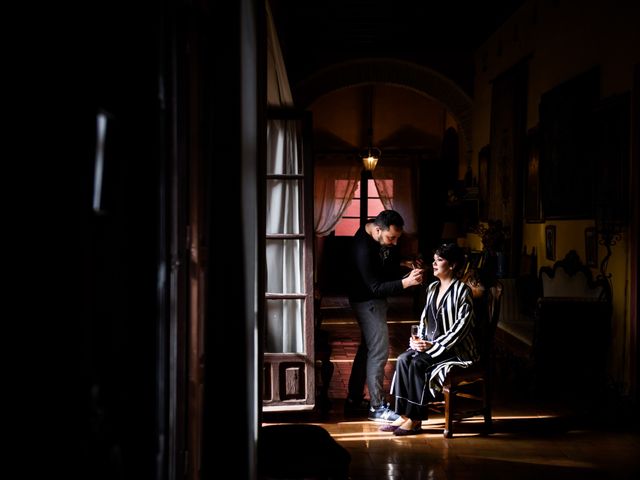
(486, 307)
(494, 301)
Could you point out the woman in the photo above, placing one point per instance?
(445, 339)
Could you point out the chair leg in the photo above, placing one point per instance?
(448, 412)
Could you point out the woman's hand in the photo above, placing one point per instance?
(419, 345)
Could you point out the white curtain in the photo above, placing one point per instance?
(402, 198)
(336, 180)
(284, 256)
(278, 90)
(385, 191)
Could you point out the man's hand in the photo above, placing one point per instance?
(414, 277)
(417, 262)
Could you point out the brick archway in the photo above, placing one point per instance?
(409, 75)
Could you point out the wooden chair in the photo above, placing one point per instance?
(467, 391)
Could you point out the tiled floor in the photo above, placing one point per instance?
(531, 439)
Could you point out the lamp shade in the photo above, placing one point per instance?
(370, 158)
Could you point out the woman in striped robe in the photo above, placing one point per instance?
(445, 339)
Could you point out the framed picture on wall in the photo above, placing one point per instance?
(550, 241)
(532, 198)
(567, 150)
(591, 247)
(483, 181)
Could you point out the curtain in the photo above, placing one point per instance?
(336, 180)
(385, 192)
(399, 194)
(278, 90)
(284, 256)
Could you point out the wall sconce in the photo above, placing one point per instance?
(370, 158)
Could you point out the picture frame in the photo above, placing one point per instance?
(532, 194)
(567, 154)
(484, 157)
(591, 247)
(550, 242)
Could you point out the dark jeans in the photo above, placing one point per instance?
(373, 351)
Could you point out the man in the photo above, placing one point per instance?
(375, 274)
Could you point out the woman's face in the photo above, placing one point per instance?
(441, 267)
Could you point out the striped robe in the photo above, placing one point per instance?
(458, 318)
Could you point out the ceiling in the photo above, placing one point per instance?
(441, 35)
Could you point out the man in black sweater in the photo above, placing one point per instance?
(375, 274)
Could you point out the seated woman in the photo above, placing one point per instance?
(445, 339)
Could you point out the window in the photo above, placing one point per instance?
(288, 365)
(288, 233)
(350, 220)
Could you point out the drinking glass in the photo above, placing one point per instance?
(415, 332)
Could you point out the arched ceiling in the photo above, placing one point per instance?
(441, 35)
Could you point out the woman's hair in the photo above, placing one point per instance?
(453, 254)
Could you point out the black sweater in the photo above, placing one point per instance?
(374, 271)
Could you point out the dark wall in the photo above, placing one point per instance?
(95, 281)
